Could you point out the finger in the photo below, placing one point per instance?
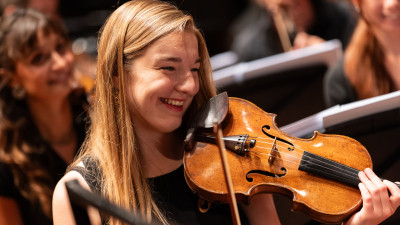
(395, 193)
(381, 187)
(367, 199)
(380, 195)
(372, 189)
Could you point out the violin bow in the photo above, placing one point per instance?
(281, 28)
(225, 165)
(210, 116)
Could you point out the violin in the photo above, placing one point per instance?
(319, 174)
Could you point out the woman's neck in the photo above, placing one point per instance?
(391, 48)
(55, 124)
(389, 41)
(161, 153)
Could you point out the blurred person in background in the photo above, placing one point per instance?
(48, 7)
(9, 6)
(85, 62)
(42, 115)
(268, 27)
(371, 63)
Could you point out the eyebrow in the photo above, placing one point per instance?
(175, 59)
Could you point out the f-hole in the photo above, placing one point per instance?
(265, 173)
(265, 129)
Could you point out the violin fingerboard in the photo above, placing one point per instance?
(329, 169)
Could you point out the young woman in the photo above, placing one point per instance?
(371, 64)
(153, 75)
(42, 116)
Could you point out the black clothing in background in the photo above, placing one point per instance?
(337, 87)
(49, 159)
(253, 34)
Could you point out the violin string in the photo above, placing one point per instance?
(345, 173)
(351, 176)
(297, 152)
(309, 157)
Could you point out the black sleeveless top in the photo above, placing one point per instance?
(49, 160)
(171, 193)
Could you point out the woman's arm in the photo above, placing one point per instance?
(62, 211)
(377, 204)
(9, 212)
(261, 210)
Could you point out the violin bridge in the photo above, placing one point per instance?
(274, 153)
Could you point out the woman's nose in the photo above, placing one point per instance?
(391, 6)
(189, 83)
(59, 61)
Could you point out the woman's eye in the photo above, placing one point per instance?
(169, 68)
(61, 48)
(38, 59)
(195, 69)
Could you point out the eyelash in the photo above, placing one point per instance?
(170, 68)
(40, 58)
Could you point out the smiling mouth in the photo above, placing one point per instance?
(60, 78)
(393, 16)
(172, 102)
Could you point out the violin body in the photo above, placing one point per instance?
(279, 163)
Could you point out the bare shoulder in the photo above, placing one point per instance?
(62, 211)
(60, 192)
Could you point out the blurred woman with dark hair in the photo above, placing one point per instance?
(42, 115)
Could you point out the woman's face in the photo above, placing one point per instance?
(384, 15)
(163, 82)
(46, 73)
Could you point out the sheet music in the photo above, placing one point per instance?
(343, 113)
(325, 53)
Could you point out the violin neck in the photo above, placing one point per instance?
(330, 169)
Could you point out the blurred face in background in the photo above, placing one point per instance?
(47, 71)
(383, 15)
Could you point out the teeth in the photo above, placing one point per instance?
(172, 102)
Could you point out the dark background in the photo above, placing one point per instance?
(213, 17)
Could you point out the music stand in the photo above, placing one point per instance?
(289, 84)
(80, 198)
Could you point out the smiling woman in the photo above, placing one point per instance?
(370, 66)
(42, 116)
(154, 74)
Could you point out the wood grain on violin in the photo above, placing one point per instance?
(320, 174)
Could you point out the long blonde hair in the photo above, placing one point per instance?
(128, 31)
(364, 62)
